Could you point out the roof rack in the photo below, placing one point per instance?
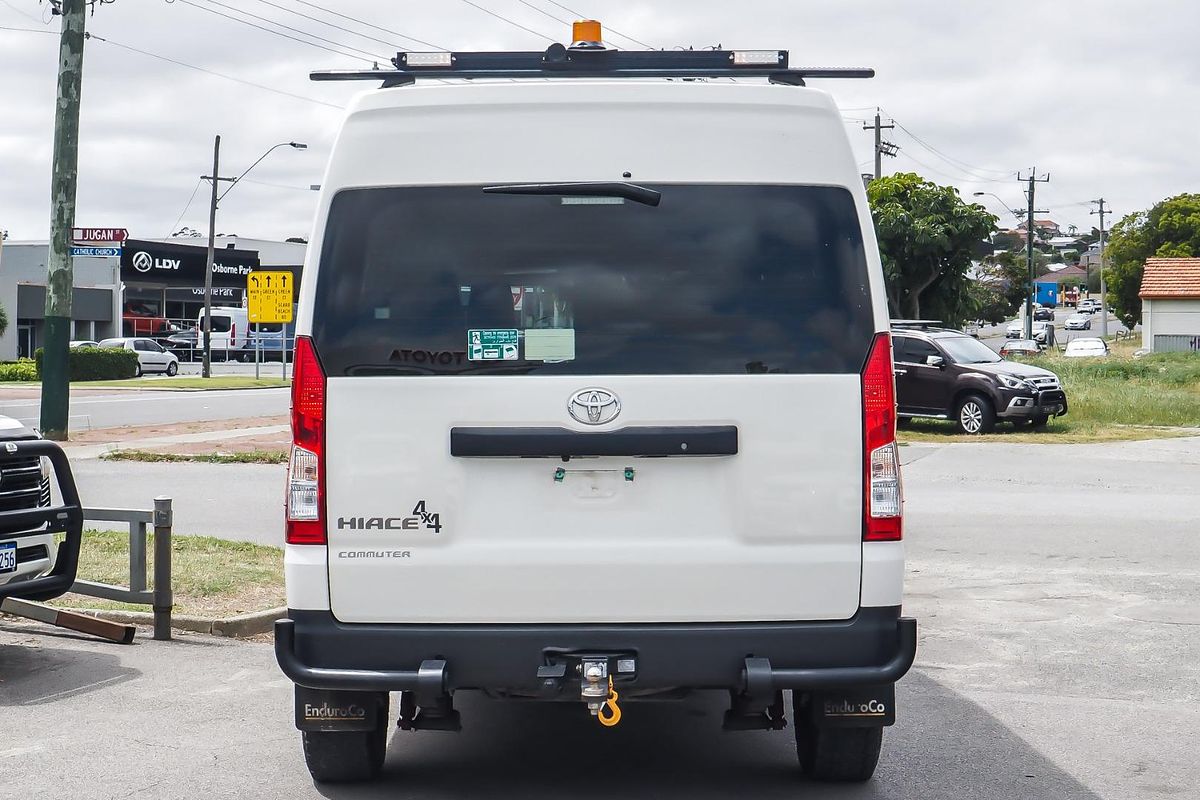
(919, 324)
(590, 59)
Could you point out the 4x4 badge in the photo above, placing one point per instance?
(594, 406)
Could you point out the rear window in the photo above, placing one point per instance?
(715, 280)
(219, 324)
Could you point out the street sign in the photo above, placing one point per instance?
(96, 252)
(101, 235)
(269, 296)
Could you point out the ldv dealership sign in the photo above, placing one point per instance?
(183, 265)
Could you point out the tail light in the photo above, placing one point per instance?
(232, 334)
(883, 500)
(306, 467)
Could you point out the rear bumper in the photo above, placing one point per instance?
(876, 646)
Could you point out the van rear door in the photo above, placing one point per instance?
(585, 408)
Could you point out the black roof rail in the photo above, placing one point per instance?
(559, 61)
(919, 324)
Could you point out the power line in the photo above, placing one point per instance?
(211, 72)
(185, 208)
(544, 12)
(371, 60)
(320, 21)
(609, 29)
(27, 30)
(952, 161)
(24, 14)
(509, 21)
(297, 30)
(372, 25)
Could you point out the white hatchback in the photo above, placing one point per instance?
(152, 357)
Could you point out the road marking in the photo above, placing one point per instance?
(149, 395)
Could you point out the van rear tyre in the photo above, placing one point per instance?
(345, 757)
(839, 755)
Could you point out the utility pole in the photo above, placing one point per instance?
(1032, 180)
(206, 369)
(881, 147)
(1103, 286)
(60, 278)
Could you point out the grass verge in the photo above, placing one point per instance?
(1110, 399)
(247, 457)
(189, 383)
(211, 577)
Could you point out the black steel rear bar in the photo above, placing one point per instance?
(66, 518)
(683, 440)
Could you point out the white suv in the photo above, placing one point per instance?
(593, 401)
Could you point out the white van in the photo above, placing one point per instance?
(593, 402)
(230, 335)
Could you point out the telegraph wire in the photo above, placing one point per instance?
(954, 162)
(28, 30)
(330, 24)
(503, 18)
(544, 12)
(300, 31)
(372, 25)
(185, 209)
(210, 72)
(25, 14)
(372, 60)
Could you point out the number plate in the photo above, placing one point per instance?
(8, 557)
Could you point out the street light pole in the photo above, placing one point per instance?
(215, 178)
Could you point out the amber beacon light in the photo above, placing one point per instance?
(586, 34)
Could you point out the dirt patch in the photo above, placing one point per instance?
(131, 433)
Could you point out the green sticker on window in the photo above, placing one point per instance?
(492, 344)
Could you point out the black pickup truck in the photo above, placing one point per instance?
(32, 567)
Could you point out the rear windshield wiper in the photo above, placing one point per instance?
(629, 191)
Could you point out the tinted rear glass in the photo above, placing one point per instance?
(715, 280)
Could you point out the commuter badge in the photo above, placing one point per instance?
(495, 344)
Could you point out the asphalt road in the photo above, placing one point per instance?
(993, 335)
(124, 407)
(1057, 590)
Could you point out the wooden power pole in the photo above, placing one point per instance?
(60, 278)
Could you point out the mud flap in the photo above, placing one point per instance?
(326, 710)
(860, 707)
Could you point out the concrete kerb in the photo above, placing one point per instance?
(238, 627)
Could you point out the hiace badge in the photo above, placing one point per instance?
(492, 344)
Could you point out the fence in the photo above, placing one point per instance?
(160, 597)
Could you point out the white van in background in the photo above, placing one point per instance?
(230, 336)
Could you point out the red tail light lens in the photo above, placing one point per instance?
(883, 499)
(306, 468)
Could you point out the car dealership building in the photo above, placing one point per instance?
(160, 277)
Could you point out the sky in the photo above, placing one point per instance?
(1104, 96)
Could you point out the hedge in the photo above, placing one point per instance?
(21, 370)
(97, 363)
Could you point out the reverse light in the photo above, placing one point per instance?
(306, 467)
(883, 501)
(756, 58)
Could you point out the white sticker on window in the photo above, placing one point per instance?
(549, 344)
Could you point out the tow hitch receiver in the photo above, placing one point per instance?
(595, 673)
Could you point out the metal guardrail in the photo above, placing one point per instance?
(160, 598)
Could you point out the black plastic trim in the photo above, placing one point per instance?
(876, 646)
(66, 518)
(698, 440)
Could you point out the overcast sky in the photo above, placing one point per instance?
(1102, 95)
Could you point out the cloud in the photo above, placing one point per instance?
(1102, 95)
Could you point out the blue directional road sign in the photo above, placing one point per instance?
(96, 252)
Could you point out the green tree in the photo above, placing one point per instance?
(1171, 228)
(3, 321)
(927, 235)
(1007, 274)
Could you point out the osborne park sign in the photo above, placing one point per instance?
(183, 265)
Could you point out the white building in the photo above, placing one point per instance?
(1171, 305)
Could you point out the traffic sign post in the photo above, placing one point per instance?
(98, 235)
(269, 296)
(95, 252)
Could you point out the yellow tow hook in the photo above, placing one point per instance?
(613, 716)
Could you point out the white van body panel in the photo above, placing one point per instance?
(222, 340)
(771, 534)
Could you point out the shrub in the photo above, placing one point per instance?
(23, 369)
(97, 363)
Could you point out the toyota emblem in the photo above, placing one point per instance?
(594, 406)
(142, 261)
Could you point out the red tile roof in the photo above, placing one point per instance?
(1171, 278)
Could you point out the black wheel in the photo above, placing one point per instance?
(843, 755)
(137, 371)
(346, 757)
(975, 415)
(1039, 421)
(172, 369)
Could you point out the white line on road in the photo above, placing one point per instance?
(149, 395)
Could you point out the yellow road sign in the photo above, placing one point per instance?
(269, 296)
